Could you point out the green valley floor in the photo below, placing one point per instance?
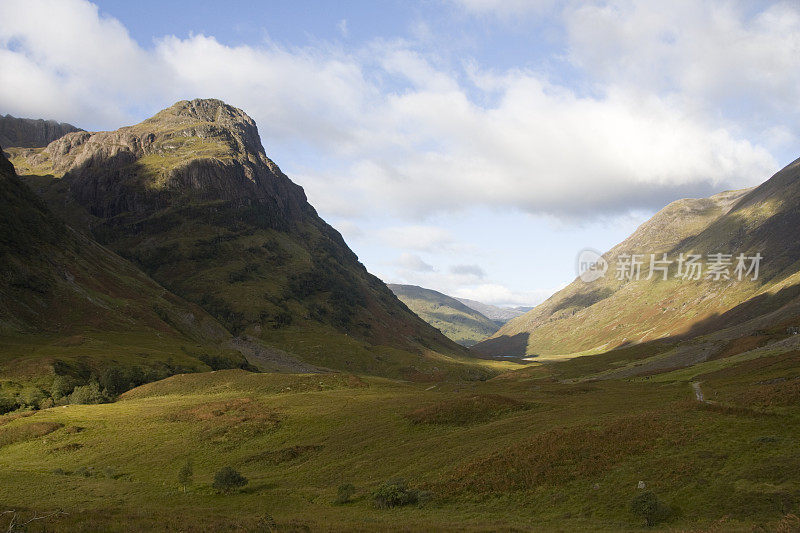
(539, 448)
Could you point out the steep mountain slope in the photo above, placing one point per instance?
(31, 133)
(68, 305)
(190, 196)
(610, 312)
(456, 320)
(499, 315)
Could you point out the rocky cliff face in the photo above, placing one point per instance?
(190, 196)
(197, 151)
(30, 133)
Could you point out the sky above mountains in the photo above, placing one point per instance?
(469, 146)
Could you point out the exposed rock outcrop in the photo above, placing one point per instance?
(31, 133)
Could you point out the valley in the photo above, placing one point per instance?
(173, 309)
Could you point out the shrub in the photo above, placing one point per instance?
(647, 505)
(345, 492)
(395, 493)
(228, 479)
(185, 475)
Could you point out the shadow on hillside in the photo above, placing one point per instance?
(505, 346)
(748, 310)
(628, 352)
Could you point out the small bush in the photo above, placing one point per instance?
(345, 492)
(227, 480)
(647, 505)
(395, 493)
(186, 474)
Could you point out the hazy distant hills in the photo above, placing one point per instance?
(190, 198)
(610, 312)
(456, 320)
(500, 315)
(31, 133)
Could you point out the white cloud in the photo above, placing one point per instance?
(506, 8)
(421, 238)
(413, 263)
(427, 146)
(711, 53)
(468, 270)
(495, 294)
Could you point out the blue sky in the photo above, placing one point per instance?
(470, 146)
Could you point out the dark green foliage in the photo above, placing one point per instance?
(249, 272)
(395, 493)
(647, 506)
(151, 259)
(222, 310)
(227, 480)
(89, 394)
(116, 379)
(186, 475)
(32, 397)
(62, 387)
(7, 404)
(344, 493)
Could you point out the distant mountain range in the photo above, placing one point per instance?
(456, 320)
(500, 315)
(181, 232)
(613, 312)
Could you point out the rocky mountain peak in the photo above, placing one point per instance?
(194, 151)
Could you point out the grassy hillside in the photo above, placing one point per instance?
(536, 449)
(453, 318)
(191, 198)
(597, 316)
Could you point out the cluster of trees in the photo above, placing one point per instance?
(101, 387)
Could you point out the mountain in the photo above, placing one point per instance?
(31, 133)
(499, 315)
(191, 198)
(457, 321)
(611, 312)
(70, 306)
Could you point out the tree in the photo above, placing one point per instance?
(228, 479)
(648, 506)
(185, 475)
